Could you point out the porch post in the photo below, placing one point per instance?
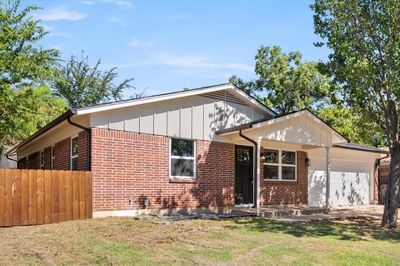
(258, 175)
(328, 177)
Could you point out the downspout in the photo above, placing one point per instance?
(254, 167)
(89, 142)
(376, 173)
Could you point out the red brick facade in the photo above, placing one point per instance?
(62, 150)
(287, 192)
(129, 168)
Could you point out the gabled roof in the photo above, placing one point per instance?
(209, 91)
(235, 91)
(267, 121)
(359, 147)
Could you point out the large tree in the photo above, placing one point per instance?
(285, 82)
(83, 85)
(364, 37)
(23, 65)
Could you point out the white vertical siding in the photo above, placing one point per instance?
(194, 117)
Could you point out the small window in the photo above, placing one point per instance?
(74, 153)
(42, 160)
(183, 161)
(53, 157)
(280, 165)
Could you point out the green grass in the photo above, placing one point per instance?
(247, 241)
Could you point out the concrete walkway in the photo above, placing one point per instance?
(374, 211)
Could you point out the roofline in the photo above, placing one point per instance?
(366, 149)
(42, 130)
(250, 124)
(173, 95)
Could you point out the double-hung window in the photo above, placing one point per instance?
(182, 158)
(74, 153)
(280, 165)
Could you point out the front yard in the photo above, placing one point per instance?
(247, 241)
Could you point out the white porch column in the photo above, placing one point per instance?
(258, 175)
(328, 177)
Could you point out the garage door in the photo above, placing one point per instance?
(349, 183)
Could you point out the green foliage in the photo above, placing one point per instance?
(285, 83)
(83, 85)
(364, 37)
(352, 125)
(23, 65)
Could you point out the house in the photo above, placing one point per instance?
(210, 149)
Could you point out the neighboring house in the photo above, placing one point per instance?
(203, 149)
(8, 163)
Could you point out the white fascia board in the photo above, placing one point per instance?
(255, 103)
(175, 95)
(336, 138)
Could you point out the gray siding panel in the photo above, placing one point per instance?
(194, 117)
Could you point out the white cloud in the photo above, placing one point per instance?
(60, 13)
(123, 3)
(199, 62)
(53, 32)
(139, 43)
(116, 20)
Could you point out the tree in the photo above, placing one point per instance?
(354, 126)
(285, 83)
(364, 37)
(83, 85)
(23, 65)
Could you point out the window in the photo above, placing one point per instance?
(279, 165)
(53, 156)
(42, 160)
(74, 153)
(183, 163)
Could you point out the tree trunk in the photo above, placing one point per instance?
(391, 199)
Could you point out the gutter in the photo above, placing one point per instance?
(254, 169)
(89, 141)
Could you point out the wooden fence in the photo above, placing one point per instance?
(44, 196)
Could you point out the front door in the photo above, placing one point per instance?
(243, 175)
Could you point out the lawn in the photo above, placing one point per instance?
(246, 241)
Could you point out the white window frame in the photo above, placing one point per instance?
(182, 157)
(70, 152)
(52, 156)
(280, 164)
(41, 159)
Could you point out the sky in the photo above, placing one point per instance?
(169, 45)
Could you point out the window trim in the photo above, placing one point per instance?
(182, 157)
(280, 164)
(70, 151)
(41, 154)
(52, 156)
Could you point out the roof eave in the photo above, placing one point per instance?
(42, 130)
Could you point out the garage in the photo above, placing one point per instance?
(351, 175)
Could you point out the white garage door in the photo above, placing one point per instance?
(349, 183)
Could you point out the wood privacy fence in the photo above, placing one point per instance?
(44, 196)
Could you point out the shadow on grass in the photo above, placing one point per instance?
(351, 232)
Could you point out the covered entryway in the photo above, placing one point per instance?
(243, 175)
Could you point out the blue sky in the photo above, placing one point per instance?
(170, 45)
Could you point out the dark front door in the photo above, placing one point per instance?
(243, 175)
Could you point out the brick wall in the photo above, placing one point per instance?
(128, 168)
(47, 158)
(62, 151)
(287, 192)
